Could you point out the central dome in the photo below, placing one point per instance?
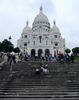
(41, 17)
(41, 22)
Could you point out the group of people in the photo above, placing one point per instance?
(66, 58)
(12, 57)
(43, 69)
(8, 58)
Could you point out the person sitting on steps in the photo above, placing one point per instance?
(37, 71)
(44, 69)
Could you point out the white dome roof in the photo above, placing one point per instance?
(41, 17)
(55, 29)
(27, 28)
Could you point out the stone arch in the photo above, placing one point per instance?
(40, 51)
(33, 52)
(54, 53)
(47, 52)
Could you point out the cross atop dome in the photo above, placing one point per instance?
(54, 22)
(41, 8)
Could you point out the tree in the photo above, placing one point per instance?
(16, 50)
(75, 50)
(0, 46)
(67, 50)
(7, 46)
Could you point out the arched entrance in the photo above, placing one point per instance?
(23, 51)
(54, 53)
(33, 53)
(40, 53)
(47, 52)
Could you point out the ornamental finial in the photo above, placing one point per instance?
(54, 22)
(41, 8)
(27, 23)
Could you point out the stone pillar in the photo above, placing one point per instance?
(43, 51)
(29, 51)
(52, 52)
(36, 52)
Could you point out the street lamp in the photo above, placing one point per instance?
(9, 41)
(9, 38)
(10, 58)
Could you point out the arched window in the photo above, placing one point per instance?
(51, 42)
(46, 42)
(25, 36)
(55, 36)
(56, 43)
(40, 37)
(25, 44)
(33, 42)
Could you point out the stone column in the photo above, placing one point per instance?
(36, 52)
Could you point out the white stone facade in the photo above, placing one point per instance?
(41, 39)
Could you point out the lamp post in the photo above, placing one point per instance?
(9, 41)
(9, 38)
(10, 58)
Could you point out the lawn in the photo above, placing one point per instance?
(76, 58)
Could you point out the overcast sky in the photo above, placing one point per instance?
(15, 13)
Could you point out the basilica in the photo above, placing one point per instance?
(41, 39)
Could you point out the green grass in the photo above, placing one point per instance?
(76, 58)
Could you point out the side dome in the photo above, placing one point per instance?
(26, 29)
(55, 29)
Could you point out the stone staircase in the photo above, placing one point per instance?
(62, 82)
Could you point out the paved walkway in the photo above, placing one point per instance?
(4, 60)
(2, 63)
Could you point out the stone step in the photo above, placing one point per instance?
(39, 89)
(40, 83)
(48, 91)
(16, 85)
(24, 83)
(37, 98)
(71, 87)
(16, 95)
(39, 92)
